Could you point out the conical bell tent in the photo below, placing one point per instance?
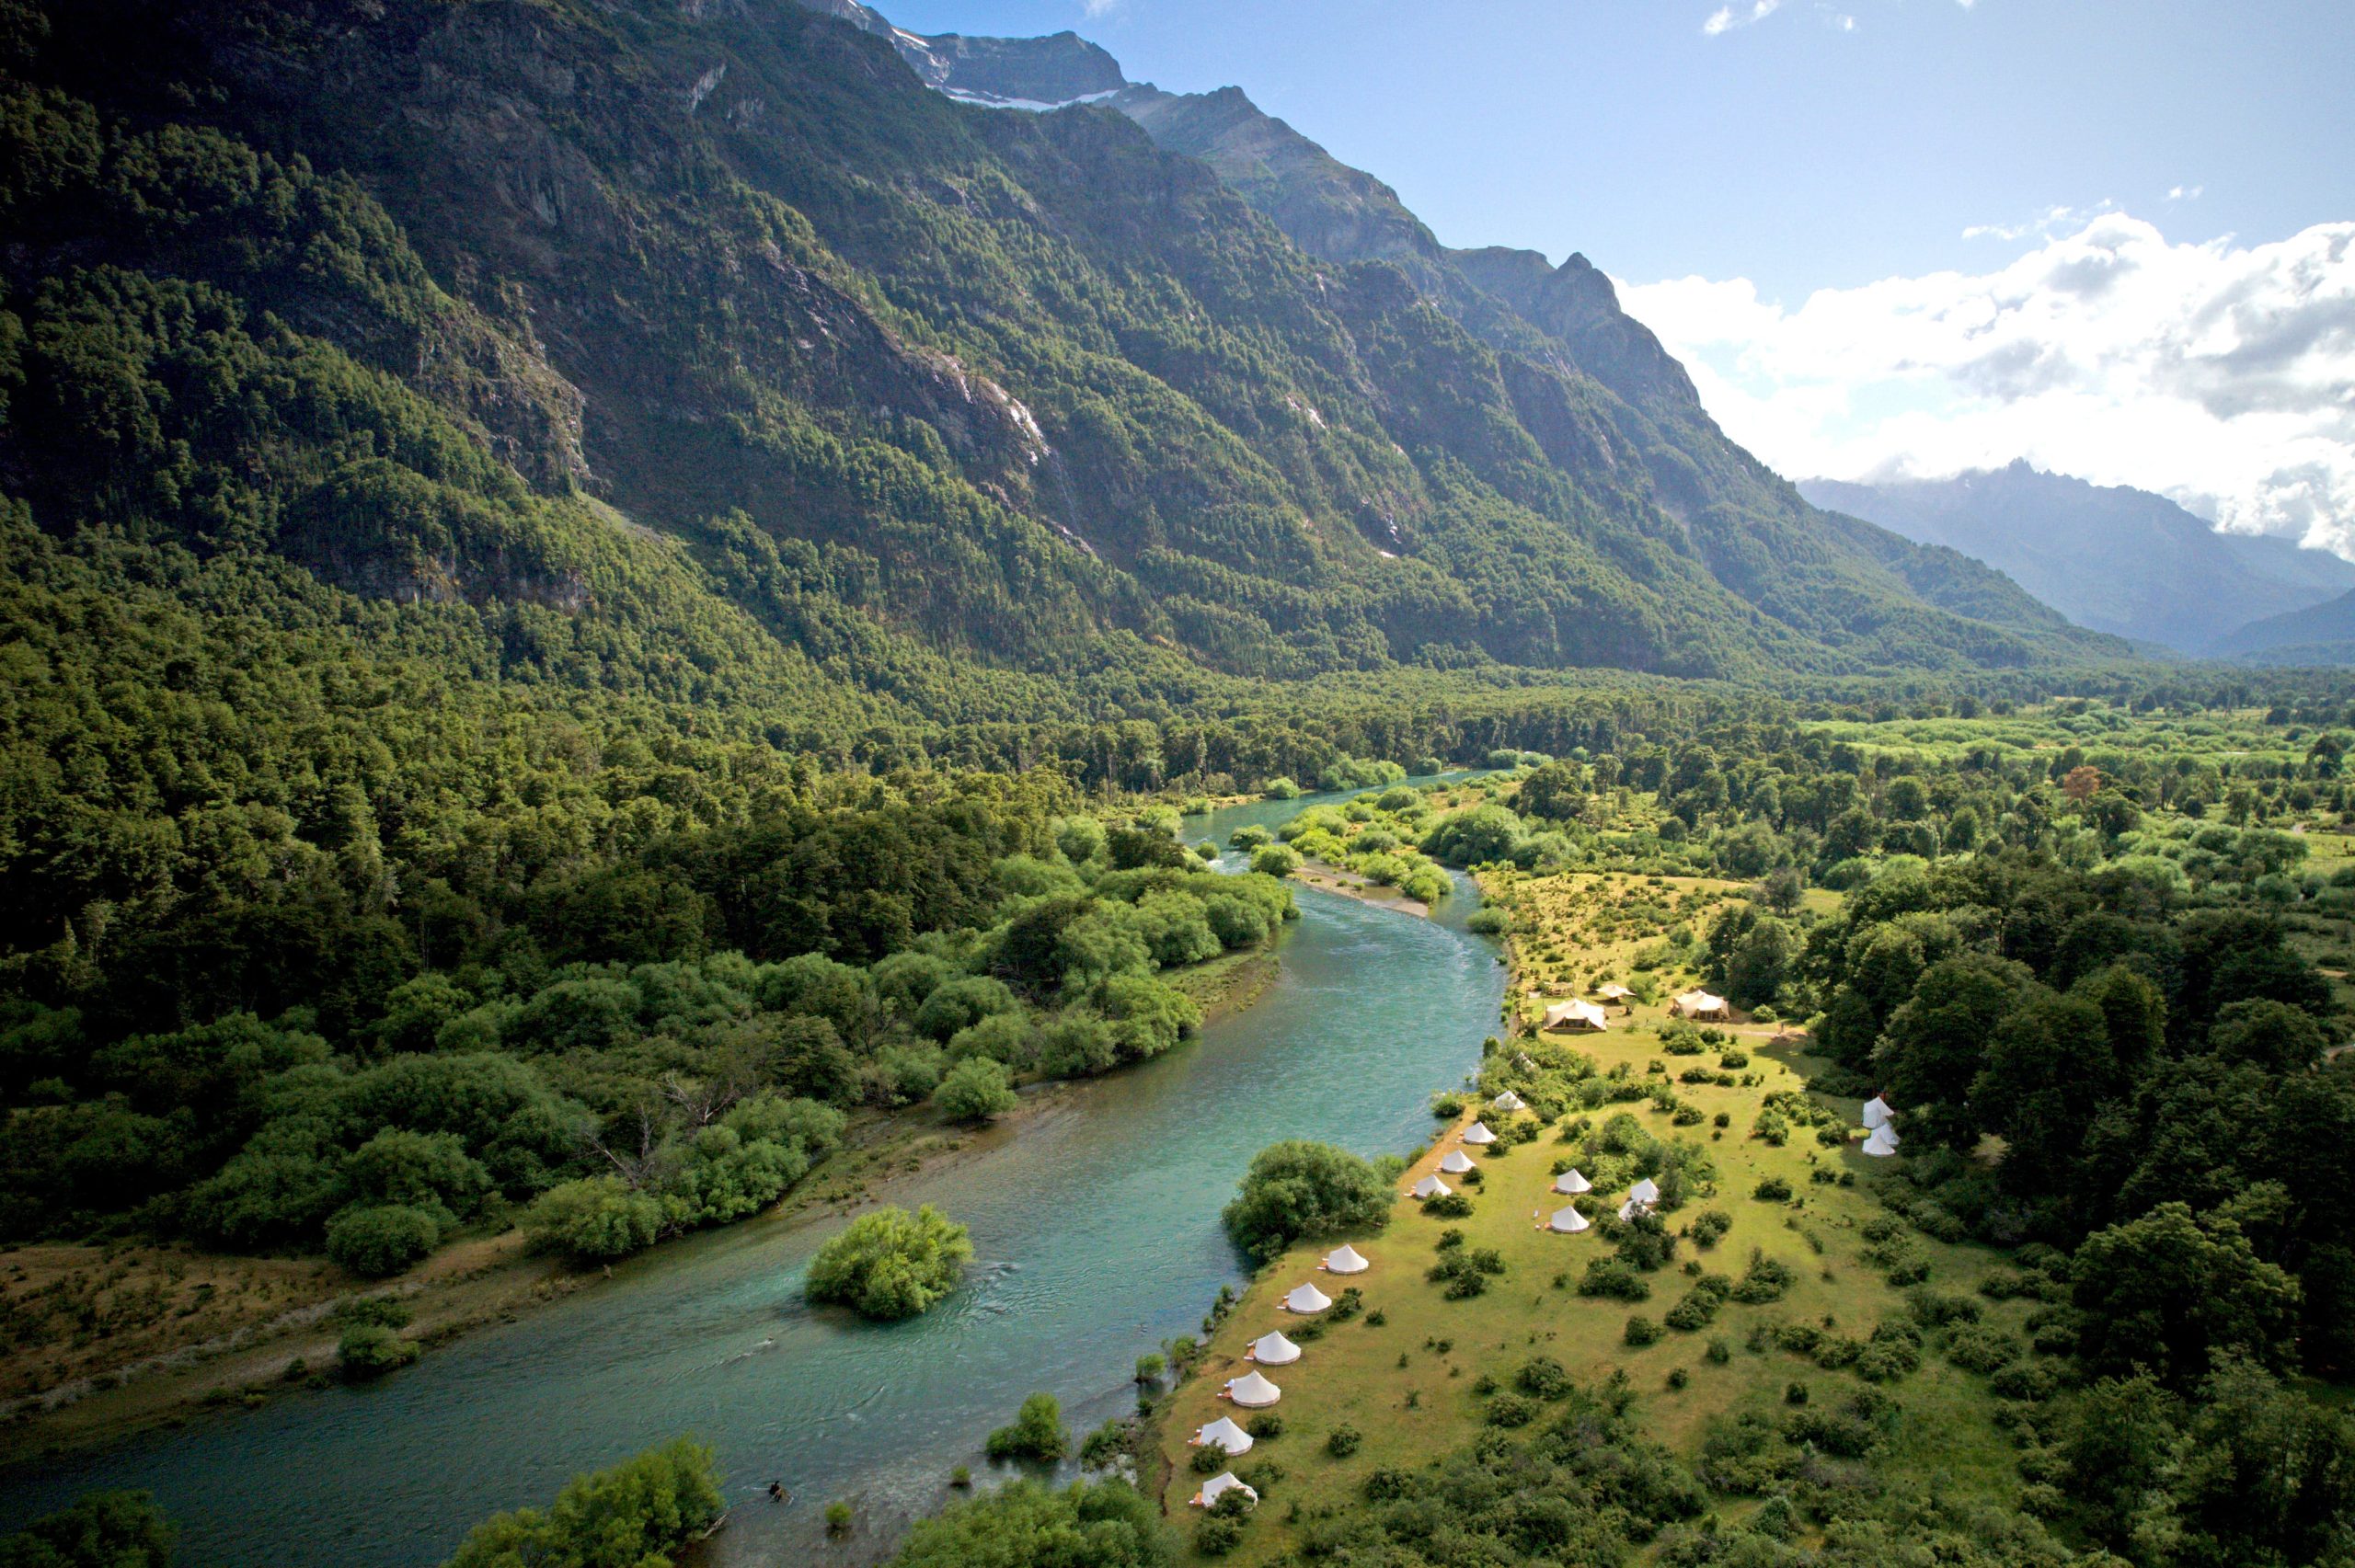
(1223, 1434)
(1253, 1391)
(1272, 1350)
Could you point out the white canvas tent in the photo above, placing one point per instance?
(1572, 1182)
(1306, 1299)
(1431, 1186)
(1646, 1192)
(1478, 1133)
(1882, 1143)
(1219, 1486)
(1569, 1220)
(1700, 1004)
(1455, 1161)
(1223, 1434)
(1629, 1209)
(1253, 1391)
(1508, 1101)
(1614, 991)
(1344, 1259)
(1272, 1350)
(1575, 1015)
(1876, 1112)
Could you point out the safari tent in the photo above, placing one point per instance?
(1455, 1161)
(1572, 1182)
(1306, 1299)
(1700, 1004)
(1569, 1220)
(1882, 1143)
(1431, 1186)
(1876, 1112)
(1477, 1134)
(1344, 1259)
(1575, 1015)
(1508, 1101)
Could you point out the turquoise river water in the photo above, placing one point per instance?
(1097, 1237)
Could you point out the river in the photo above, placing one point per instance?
(1098, 1238)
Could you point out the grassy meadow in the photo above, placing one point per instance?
(1410, 1372)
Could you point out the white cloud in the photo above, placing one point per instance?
(1097, 7)
(2185, 192)
(2221, 375)
(1726, 17)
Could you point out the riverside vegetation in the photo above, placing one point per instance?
(554, 663)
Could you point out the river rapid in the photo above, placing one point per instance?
(1097, 1237)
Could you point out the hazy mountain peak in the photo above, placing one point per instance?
(2110, 557)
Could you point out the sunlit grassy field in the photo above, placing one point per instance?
(1404, 1371)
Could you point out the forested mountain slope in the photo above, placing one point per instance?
(503, 303)
(1548, 326)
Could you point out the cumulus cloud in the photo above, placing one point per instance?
(2220, 374)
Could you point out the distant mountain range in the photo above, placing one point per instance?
(2112, 558)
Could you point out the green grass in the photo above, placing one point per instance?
(1410, 1414)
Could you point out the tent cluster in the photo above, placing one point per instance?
(1255, 1389)
(1880, 1128)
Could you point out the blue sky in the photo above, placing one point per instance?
(1868, 227)
(1790, 151)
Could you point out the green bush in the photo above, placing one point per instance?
(377, 1241)
(1218, 1534)
(1036, 1432)
(1343, 1441)
(1300, 1190)
(371, 1350)
(597, 1219)
(1640, 1331)
(976, 1090)
(891, 1263)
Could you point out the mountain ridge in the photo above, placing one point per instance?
(2112, 558)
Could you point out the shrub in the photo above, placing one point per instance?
(976, 1090)
(1265, 1425)
(1641, 1331)
(379, 1240)
(1543, 1377)
(1299, 1190)
(838, 1518)
(1709, 1227)
(1218, 1534)
(371, 1350)
(1512, 1410)
(891, 1263)
(1613, 1280)
(1036, 1432)
(1764, 1281)
(596, 1219)
(1981, 1349)
(1343, 1441)
(1774, 1189)
(1449, 1206)
(640, 1511)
